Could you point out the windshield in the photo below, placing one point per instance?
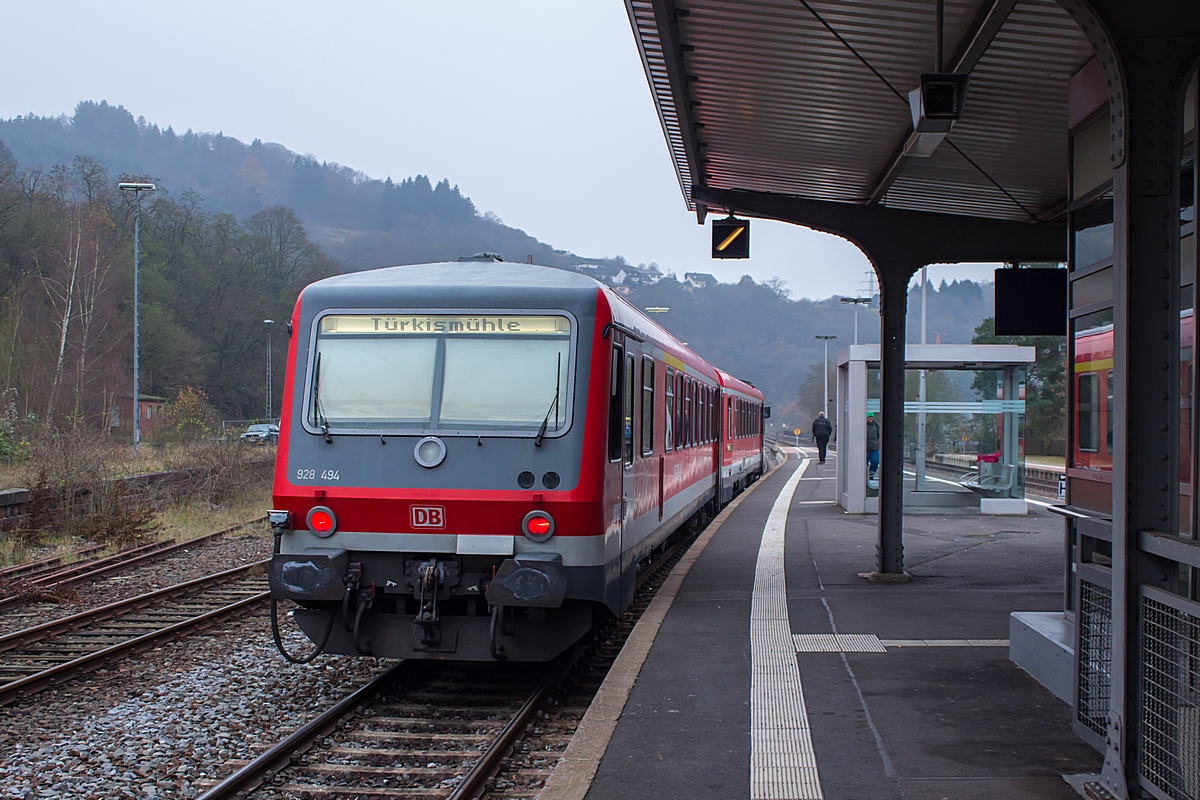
(258, 428)
(440, 372)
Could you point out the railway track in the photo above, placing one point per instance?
(445, 731)
(53, 573)
(42, 565)
(1033, 485)
(35, 658)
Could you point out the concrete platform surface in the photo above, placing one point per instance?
(939, 711)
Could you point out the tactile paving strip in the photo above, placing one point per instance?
(838, 643)
(783, 764)
(870, 643)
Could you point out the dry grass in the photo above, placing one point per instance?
(14, 550)
(195, 519)
(179, 522)
(121, 461)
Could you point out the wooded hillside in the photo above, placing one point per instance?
(362, 222)
(236, 230)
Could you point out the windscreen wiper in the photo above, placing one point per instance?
(541, 434)
(318, 415)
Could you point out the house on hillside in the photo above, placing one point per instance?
(615, 275)
(651, 273)
(698, 280)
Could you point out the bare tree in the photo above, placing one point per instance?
(93, 284)
(59, 274)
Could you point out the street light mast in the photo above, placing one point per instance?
(825, 374)
(857, 301)
(137, 189)
(268, 323)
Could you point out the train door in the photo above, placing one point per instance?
(629, 544)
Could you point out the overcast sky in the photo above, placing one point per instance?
(539, 110)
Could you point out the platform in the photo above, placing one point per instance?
(901, 691)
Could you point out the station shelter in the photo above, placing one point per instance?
(969, 131)
(992, 481)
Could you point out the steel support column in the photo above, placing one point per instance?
(1146, 342)
(1148, 51)
(898, 243)
(893, 283)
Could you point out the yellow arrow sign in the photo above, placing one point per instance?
(728, 240)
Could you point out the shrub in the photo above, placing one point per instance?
(188, 418)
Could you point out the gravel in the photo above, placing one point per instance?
(184, 565)
(166, 723)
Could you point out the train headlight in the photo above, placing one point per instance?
(322, 521)
(538, 526)
(430, 452)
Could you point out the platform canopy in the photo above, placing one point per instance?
(809, 99)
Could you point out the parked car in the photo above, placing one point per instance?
(261, 434)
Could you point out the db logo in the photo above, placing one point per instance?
(428, 516)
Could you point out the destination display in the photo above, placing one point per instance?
(425, 324)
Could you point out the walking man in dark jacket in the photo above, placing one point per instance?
(821, 430)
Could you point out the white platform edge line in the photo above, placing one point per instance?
(775, 690)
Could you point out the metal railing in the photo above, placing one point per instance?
(1095, 657)
(1170, 720)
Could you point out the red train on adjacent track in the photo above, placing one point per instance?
(475, 458)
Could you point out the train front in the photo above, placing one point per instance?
(430, 496)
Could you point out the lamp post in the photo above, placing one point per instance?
(825, 374)
(857, 301)
(137, 189)
(921, 391)
(268, 323)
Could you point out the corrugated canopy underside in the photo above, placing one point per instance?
(776, 103)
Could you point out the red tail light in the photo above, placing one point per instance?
(538, 526)
(322, 521)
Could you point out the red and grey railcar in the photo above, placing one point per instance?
(475, 458)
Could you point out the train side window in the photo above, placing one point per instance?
(678, 410)
(669, 416)
(1108, 413)
(692, 414)
(706, 420)
(695, 413)
(1089, 413)
(729, 417)
(647, 406)
(687, 411)
(716, 414)
(616, 415)
(628, 403)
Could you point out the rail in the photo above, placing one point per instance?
(35, 658)
(51, 573)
